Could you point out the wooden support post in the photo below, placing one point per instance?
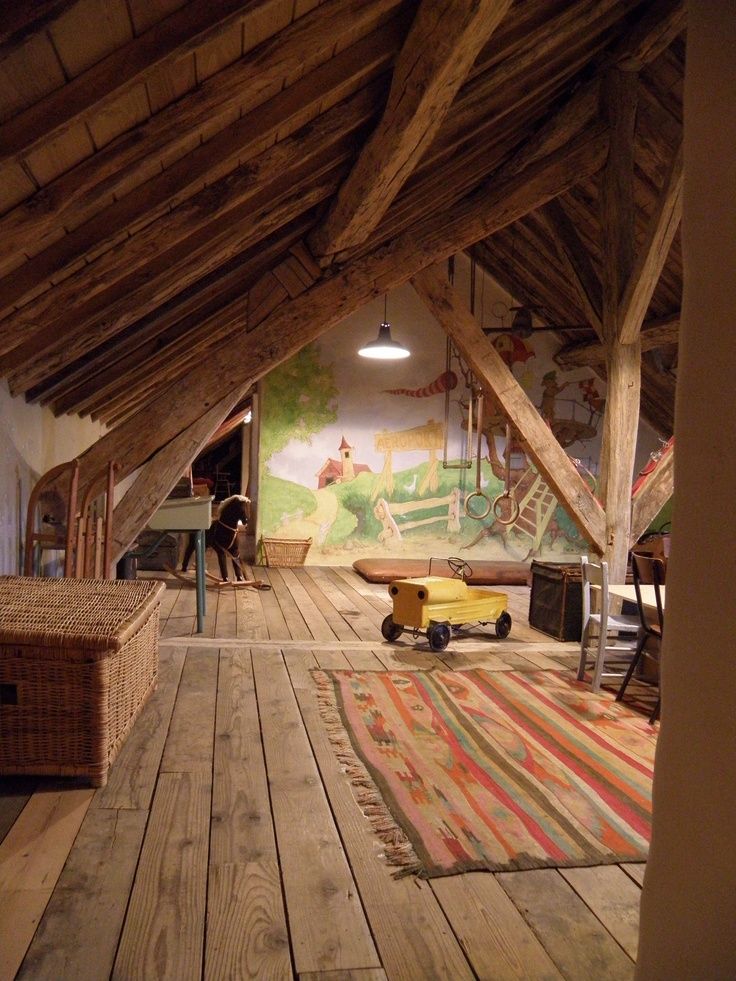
(623, 362)
(488, 366)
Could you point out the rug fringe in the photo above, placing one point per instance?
(398, 851)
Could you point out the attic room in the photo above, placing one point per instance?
(252, 760)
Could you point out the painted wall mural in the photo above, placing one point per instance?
(373, 458)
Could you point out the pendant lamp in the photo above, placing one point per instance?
(384, 348)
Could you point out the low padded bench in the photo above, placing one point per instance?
(484, 573)
(78, 659)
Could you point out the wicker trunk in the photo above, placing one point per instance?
(78, 659)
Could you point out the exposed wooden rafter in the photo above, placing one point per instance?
(652, 256)
(168, 40)
(231, 147)
(576, 260)
(443, 43)
(74, 197)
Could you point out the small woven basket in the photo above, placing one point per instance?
(285, 552)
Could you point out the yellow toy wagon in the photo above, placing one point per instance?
(437, 604)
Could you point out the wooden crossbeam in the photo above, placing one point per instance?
(443, 43)
(297, 322)
(656, 333)
(653, 254)
(167, 41)
(489, 368)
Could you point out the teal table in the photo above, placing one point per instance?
(188, 514)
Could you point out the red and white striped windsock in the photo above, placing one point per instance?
(443, 383)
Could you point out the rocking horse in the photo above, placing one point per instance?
(222, 535)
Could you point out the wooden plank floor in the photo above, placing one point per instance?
(227, 843)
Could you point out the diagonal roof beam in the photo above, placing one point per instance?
(652, 256)
(659, 25)
(76, 198)
(442, 45)
(489, 368)
(576, 260)
(164, 43)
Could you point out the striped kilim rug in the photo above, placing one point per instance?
(492, 770)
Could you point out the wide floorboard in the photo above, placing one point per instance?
(227, 842)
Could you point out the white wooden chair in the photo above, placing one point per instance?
(606, 636)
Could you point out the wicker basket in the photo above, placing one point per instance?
(78, 659)
(281, 552)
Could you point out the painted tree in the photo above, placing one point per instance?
(299, 399)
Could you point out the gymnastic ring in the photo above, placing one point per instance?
(514, 509)
(472, 514)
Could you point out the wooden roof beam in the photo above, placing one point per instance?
(231, 147)
(19, 20)
(167, 41)
(489, 368)
(73, 197)
(139, 296)
(653, 254)
(661, 22)
(656, 333)
(442, 44)
(84, 296)
(78, 386)
(229, 325)
(574, 257)
(299, 321)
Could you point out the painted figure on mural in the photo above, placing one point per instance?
(550, 391)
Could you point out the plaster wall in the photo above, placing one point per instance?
(32, 441)
(689, 900)
(394, 494)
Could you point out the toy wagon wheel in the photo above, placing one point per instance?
(503, 626)
(438, 636)
(390, 629)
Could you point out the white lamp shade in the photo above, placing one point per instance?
(384, 348)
